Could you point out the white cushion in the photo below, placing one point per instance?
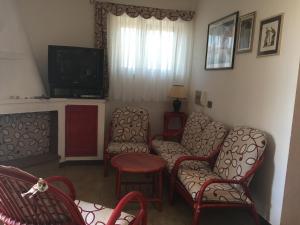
(94, 214)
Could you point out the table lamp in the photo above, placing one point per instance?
(178, 92)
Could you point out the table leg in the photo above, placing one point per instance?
(118, 184)
(160, 189)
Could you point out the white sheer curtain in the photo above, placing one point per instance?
(146, 56)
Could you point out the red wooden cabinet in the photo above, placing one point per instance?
(81, 130)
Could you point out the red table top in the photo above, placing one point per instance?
(138, 163)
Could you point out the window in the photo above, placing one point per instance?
(146, 56)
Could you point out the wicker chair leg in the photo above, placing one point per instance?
(255, 215)
(196, 216)
(171, 195)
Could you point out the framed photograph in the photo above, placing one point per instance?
(246, 33)
(269, 36)
(221, 38)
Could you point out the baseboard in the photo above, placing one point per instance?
(263, 221)
(81, 162)
(32, 161)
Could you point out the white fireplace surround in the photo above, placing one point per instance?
(14, 106)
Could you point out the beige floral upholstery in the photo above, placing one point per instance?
(171, 160)
(116, 148)
(170, 147)
(94, 214)
(192, 180)
(242, 148)
(211, 138)
(193, 129)
(130, 124)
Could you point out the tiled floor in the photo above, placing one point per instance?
(92, 186)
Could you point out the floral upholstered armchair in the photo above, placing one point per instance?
(226, 183)
(129, 132)
(23, 201)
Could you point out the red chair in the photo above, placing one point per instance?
(129, 131)
(54, 206)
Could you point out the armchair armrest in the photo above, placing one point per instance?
(141, 216)
(66, 182)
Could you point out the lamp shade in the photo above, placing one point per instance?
(178, 91)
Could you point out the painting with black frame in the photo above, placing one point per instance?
(221, 38)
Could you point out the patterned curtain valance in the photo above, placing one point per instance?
(145, 12)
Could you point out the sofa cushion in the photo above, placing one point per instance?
(130, 124)
(168, 147)
(192, 180)
(241, 149)
(193, 129)
(171, 158)
(211, 138)
(94, 214)
(116, 148)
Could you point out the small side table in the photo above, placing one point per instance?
(168, 118)
(140, 163)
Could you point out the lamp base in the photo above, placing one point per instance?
(176, 105)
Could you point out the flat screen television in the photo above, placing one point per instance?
(75, 72)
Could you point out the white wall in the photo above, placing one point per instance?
(18, 72)
(259, 92)
(71, 22)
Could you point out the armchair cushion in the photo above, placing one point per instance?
(94, 214)
(130, 124)
(116, 148)
(194, 126)
(192, 180)
(211, 138)
(242, 148)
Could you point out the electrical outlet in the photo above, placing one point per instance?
(209, 104)
(198, 98)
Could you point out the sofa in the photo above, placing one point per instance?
(211, 166)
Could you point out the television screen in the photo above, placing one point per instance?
(75, 71)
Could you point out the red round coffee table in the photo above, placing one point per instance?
(140, 163)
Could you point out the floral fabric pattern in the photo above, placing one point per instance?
(210, 140)
(94, 214)
(145, 12)
(172, 158)
(169, 147)
(116, 148)
(226, 193)
(193, 129)
(130, 124)
(24, 135)
(242, 148)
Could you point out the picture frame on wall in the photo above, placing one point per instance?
(269, 36)
(221, 40)
(246, 32)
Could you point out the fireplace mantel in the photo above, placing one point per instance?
(14, 106)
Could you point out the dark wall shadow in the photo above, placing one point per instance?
(261, 185)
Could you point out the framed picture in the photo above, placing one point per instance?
(246, 33)
(221, 38)
(269, 36)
